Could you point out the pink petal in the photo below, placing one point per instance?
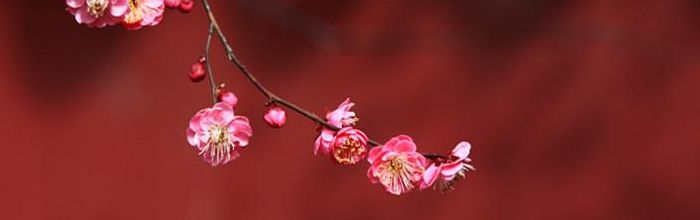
(155, 4)
(370, 174)
(223, 105)
(75, 3)
(374, 153)
(83, 17)
(397, 139)
(220, 116)
(191, 137)
(402, 145)
(196, 120)
(172, 3)
(240, 124)
(451, 169)
(462, 150)
(118, 8)
(203, 139)
(429, 176)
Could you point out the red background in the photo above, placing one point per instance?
(576, 109)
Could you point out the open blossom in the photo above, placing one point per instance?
(445, 173)
(275, 117)
(396, 165)
(349, 146)
(218, 134)
(143, 13)
(342, 116)
(98, 13)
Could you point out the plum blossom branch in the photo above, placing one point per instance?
(219, 134)
(273, 99)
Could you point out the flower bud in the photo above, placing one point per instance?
(275, 117)
(172, 3)
(186, 6)
(227, 97)
(197, 72)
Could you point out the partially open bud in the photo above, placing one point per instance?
(186, 6)
(227, 97)
(197, 72)
(275, 117)
(349, 146)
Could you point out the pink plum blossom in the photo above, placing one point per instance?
(97, 13)
(342, 116)
(445, 172)
(396, 165)
(275, 117)
(143, 13)
(218, 134)
(349, 146)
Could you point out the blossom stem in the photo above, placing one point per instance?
(207, 47)
(273, 99)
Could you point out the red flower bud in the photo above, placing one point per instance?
(186, 6)
(227, 97)
(197, 72)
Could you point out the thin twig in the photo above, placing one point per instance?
(212, 82)
(272, 98)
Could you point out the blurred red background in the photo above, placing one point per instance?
(576, 109)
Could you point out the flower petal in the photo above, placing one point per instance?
(83, 17)
(451, 169)
(402, 146)
(462, 150)
(374, 154)
(75, 3)
(118, 8)
(191, 137)
(430, 175)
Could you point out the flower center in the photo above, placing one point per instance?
(219, 146)
(218, 135)
(135, 14)
(350, 152)
(96, 7)
(398, 175)
(396, 165)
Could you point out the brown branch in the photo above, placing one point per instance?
(207, 47)
(273, 99)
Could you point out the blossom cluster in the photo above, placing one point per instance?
(218, 134)
(396, 164)
(132, 14)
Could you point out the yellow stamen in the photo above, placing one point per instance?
(96, 7)
(135, 14)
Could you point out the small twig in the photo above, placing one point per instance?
(212, 82)
(273, 99)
